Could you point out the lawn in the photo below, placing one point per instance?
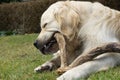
(18, 58)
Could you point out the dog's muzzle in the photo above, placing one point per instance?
(48, 47)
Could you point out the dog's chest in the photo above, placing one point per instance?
(97, 33)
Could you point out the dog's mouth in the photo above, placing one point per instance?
(50, 47)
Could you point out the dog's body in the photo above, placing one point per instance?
(85, 24)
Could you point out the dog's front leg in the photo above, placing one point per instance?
(62, 46)
(63, 53)
(54, 63)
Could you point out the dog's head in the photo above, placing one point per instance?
(59, 17)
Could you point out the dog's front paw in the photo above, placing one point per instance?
(44, 67)
(62, 70)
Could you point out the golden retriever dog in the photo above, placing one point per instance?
(71, 29)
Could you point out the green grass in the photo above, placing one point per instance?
(18, 58)
(111, 74)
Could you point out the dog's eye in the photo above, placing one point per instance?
(44, 25)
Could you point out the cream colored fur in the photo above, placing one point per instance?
(90, 23)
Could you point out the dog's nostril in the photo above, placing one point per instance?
(35, 44)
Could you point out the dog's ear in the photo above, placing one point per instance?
(68, 20)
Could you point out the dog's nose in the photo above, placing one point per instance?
(36, 44)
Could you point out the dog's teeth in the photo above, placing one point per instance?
(45, 46)
(53, 41)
